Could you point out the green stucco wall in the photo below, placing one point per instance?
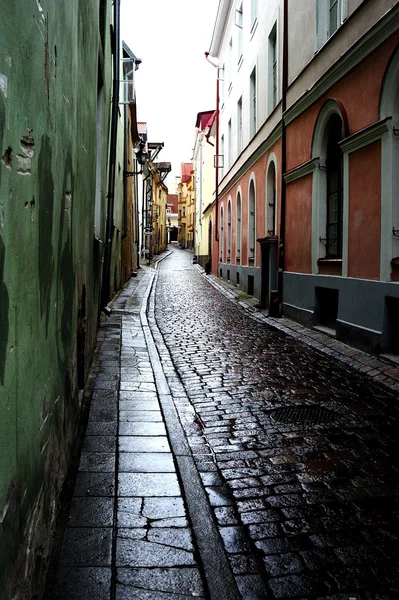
(50, 264)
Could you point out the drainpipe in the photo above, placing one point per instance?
(136, 212)
(215, 64)
(281, 260)
(112, 161)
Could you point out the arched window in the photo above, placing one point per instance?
(389, 109)
(251, 222)
(239, 226)
(334, 205)
(229, 230)
(327, 205)
(221, 236)
(271, 199)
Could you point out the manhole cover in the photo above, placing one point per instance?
(303, 414)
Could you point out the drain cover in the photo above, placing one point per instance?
(303, 414)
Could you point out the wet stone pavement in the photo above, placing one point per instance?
(127, 533)
(224, 458)
(298, 452)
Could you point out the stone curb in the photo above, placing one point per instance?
(382, 371)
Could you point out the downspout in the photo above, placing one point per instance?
(281, 261)
(125, 168)
(217, 160)
(136, 212)
(215, 64)
(112, 161)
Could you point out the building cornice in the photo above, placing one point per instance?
(220, 26)
(251, 160)
(365, 136)
(377, 35)
(305, 169)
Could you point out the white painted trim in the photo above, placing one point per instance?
(386, 204)
(345, 214)
(300, 308)
(315, 249)
(252, 179)
(272, 159)
(301, 171)
(364, 137)
(389, 109)
(357, 326)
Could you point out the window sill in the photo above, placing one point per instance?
(254, 28)
(330, 266)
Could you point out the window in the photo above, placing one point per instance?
(330, 14)
(230, 70)
(221, 74)
(254, 13)
(333, 16)
(271, 199)
(273, 69)
(252, 107)
(334, 190)
(221, 237)
(239, 25)
(238, 226)
(229, 231)
(239, 126)
(221, 163)
(251, 222)
(328, 240)
(229, 148)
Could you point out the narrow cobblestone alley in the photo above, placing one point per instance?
(297, 452)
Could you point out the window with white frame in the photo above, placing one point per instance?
(238, 226)
(221, 236)
(239, 25)
(273, 69)
(221, 162)
(328, 196)
(389, 109)
(229, 230)
(251, 222)
(230, 66)
(239, 126)
(271, 193)
(254, 13)
(330, 14)
(230, 145)
(221, 75)
(252, 105)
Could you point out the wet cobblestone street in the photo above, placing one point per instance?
(306, 498)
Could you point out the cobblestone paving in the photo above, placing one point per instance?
(307, 500)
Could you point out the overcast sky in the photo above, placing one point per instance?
(174, 81)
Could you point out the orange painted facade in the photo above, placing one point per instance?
(365, 212)
(298, 225)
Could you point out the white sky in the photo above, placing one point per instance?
(174, 81)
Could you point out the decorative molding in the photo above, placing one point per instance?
(365, 136)
(386, 26)
(255, 156)
(305, 169)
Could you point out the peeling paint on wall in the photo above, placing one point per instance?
(6, 159)
(46, 209)
(27, 145)
(3, 84)
(4, 303)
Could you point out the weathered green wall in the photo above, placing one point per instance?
(50, 265)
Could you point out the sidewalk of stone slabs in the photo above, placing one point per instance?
(127, 534)
(380, 369)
